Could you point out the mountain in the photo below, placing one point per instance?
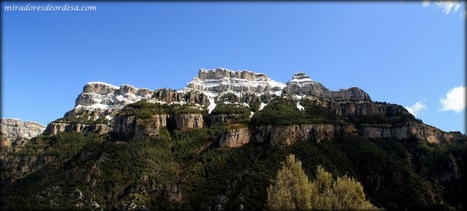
(99, 102)
(218, 142)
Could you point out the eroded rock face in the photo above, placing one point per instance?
(189, 121)
(404, 131)
(134, 126)
(224, 80)
(290, 134)
(168, 95)
(99, 95)
(364, 108)
(301, 84)
(235, 137)
(56, 128)
(15, 133)
(191, 97)
(16, 129)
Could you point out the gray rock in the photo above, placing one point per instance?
(223, 80)
(56, 128)
(301, 84)
(15, 133)
(236, 137)
(16, 129)
(132, 125)
(189, 121)
(99, 95)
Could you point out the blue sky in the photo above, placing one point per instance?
(410, 54)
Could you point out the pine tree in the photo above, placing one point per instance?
(291, 190)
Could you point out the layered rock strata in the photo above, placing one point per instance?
(301, 84)
(98, 95)
(15, 133)
(224, 80)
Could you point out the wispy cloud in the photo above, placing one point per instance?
(454, 100)
(416, 108)
(446, 6)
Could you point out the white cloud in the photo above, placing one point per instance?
(416, 108)
(454, 100)
(446, 6)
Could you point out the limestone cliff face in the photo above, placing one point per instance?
(56, 128)
(15, 133)
(302, 85)
(16, 129)
(236, 137)
(98, 106)
(220, 73)
(290, 134)
(364, 108)
(99, 95)
(407, 130)
(168, 95)
(191, 97)
(132, 125)
(129, 125)
(189, 121)
(224, 80)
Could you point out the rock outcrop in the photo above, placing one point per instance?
(131, 126)
(134, 126)
(177, 96)
(235, 137)
(406, 130)
(189, 121)
(15, 133)
(365, 108)
(98, 95)
(16, 129)
(302, 85)
(224, 80)
(56, 128)
(290, 134)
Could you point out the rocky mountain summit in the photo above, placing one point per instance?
(208, 88)
(222, 80)
(302, 85)
(99, 95)
(97, 107)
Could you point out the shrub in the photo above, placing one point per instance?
(292, 190)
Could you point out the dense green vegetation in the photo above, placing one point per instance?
(143, 109)
(388, 169)
(283, 111)
(186, 169)
(239, 112)
(83, 119)
(187, 109)
(292, 190)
